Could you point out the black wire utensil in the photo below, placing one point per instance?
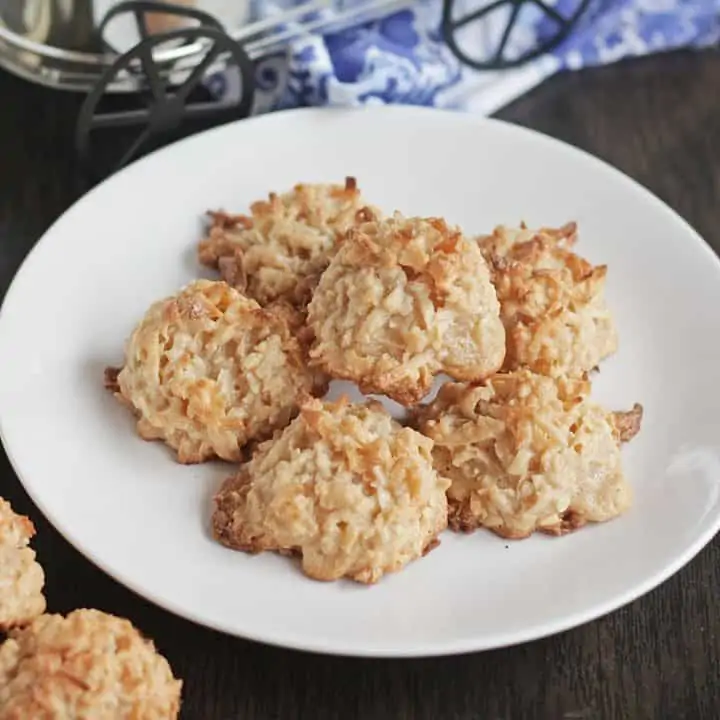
(560, 24)
(165, 104)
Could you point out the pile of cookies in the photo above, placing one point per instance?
(87, 664)
(316, 285)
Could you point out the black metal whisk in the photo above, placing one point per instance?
(560, 24)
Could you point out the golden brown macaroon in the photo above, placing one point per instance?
(86, 666)
(21, 577)
(344, 486)
(208, 370)
(526, 452)
(279, 251)
(551, 301)
(403, 300)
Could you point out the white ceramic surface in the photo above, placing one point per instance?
(144, 519)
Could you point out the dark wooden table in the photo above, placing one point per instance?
(657, 119)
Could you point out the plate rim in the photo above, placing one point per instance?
(434, 649)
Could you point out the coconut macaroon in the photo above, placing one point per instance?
(282, 247)
(86, 666)
(208, 370)
(526, 452)
(344, 486)
(403, 300)
(551, 301)
(21, 577)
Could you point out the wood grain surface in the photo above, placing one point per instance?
(658, 120)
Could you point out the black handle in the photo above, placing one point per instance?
(564, 24)
(167, 107)
(141, 8)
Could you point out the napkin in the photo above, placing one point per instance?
(402, 58)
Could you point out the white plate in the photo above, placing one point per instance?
(144, 519)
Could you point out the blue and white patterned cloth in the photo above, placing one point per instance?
(402, 58)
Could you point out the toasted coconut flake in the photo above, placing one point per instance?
(345, 487)
(279, 251)
(86, 666)
(526, 453)
(208, 370)
(551, 301)
(403, 300)
(21, 577)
